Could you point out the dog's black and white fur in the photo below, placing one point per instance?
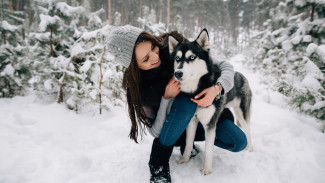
(196, 71)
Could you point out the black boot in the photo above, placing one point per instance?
(159, 162)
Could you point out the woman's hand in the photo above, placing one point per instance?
(172, 89)
(210, 94)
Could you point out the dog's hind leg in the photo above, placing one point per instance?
(210, 135)
(190, 135)
(245, 126)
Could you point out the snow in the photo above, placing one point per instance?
(300, 2)
(48, 84)
(9, 70)
(93, 34)
(321, 52)
(307, 38)
(313, 70)
(68, 11)
(296, 40)
(76, 49)
(60, 62)
(311, 48)
(45, 142)
(286, 45)
(322, 2)
(86, 66)
(40, 36)
(316, 106)
(108, 56)
(319, 105)
(311, 83)
(47, 20)
(94, 19)
(8, 27)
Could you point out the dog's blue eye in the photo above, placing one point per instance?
(192, 57)
(177, 59)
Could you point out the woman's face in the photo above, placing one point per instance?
(147, 56)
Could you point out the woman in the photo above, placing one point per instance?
(153, 101)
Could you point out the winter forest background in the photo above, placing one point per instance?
(56, 77)
(57, 48)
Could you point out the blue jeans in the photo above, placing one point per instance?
(228, 135)
(180, 115)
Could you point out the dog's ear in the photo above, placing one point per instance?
(172, 43)
(203, 39)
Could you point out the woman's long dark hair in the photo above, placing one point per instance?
(131, 84)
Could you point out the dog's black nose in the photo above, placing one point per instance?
(178, 74)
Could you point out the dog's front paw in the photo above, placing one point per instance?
(182, 160)
(206, 170)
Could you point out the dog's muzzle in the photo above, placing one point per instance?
(178, 75)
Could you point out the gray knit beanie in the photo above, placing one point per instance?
(121, 42)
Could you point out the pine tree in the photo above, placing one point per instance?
(291, 54)
(14, 72)
(148, 22)
(92, 80)
(80, 74)
(50, 48)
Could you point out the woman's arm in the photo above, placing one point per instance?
(226, 78)
(171, 91)
(226, 81)
(163, 111)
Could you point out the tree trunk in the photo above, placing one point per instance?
(30, 13)
(100, 83)
(83, 19)
(140, 12)
(51, 43)
(10, 4)
(158, 14)
(132, 17)
(109, 12)
(234, 24)
(126, 17)
(23, 33)
(4, 37)
(60, 98)
(18, 5)
(26, 19)
(122, 12)
(168, 15)
(312, 12)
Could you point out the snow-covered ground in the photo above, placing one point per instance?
(45, 142)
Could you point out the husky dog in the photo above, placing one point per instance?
(195, 70)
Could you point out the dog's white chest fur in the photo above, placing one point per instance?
(190, 87)
(204, 114)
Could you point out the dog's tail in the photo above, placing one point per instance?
(246, 101)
